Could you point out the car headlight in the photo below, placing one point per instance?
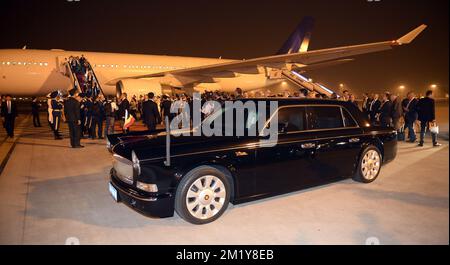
(136, 163)
(108, 144)
(147, 186)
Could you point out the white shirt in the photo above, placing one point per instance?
(114, 106)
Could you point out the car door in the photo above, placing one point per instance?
(287, 166)
(338, 140)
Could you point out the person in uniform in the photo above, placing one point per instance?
(57, 108)
(49, 108)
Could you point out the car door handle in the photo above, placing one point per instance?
(308, 145)
(353, 140)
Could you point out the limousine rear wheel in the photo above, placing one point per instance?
(202, 195)
(369, 165)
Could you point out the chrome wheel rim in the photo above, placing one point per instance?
(370, 164)
(205, 197)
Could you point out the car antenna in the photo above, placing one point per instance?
(167, 162)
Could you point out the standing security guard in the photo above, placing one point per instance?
(72, 113)
(57, 108)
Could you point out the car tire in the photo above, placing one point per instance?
(202, 195)
(369, 165)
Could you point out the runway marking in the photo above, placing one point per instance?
(11, 148)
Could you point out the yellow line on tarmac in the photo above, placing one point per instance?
(7, 145)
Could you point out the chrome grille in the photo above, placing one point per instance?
(123, 168)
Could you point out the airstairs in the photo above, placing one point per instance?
(82, 76)
(304, 82)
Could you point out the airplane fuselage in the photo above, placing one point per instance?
(37, 72)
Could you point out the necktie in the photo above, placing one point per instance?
(9, 107)
(407, 106)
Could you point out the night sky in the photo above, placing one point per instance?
(244, 29)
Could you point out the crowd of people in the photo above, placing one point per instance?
(86, 112)
(402, 114)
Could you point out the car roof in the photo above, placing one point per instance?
(299, 101)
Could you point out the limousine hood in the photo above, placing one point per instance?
(153, 146)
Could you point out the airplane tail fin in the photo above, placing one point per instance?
(298, 41)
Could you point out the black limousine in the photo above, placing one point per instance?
(319, 141)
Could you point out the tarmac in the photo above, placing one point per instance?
(53, 194)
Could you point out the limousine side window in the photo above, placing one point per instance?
(326, 117)
(291, 119)
(348, 119)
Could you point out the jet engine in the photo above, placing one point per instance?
(139, 87)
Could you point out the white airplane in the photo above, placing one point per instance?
(26, 72)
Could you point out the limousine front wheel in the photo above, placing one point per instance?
(202, 195)
(369, 165)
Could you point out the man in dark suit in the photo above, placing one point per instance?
(35, 105)
(165, 109)
(374, 107)
(427, 116)
(410, 115)
(385, 111)
(124, 108)
(150, 111)
(366, 104)
(397, 111)
(9, 114)
(98, 115)
(72, 113)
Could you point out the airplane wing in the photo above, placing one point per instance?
(274, 61)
